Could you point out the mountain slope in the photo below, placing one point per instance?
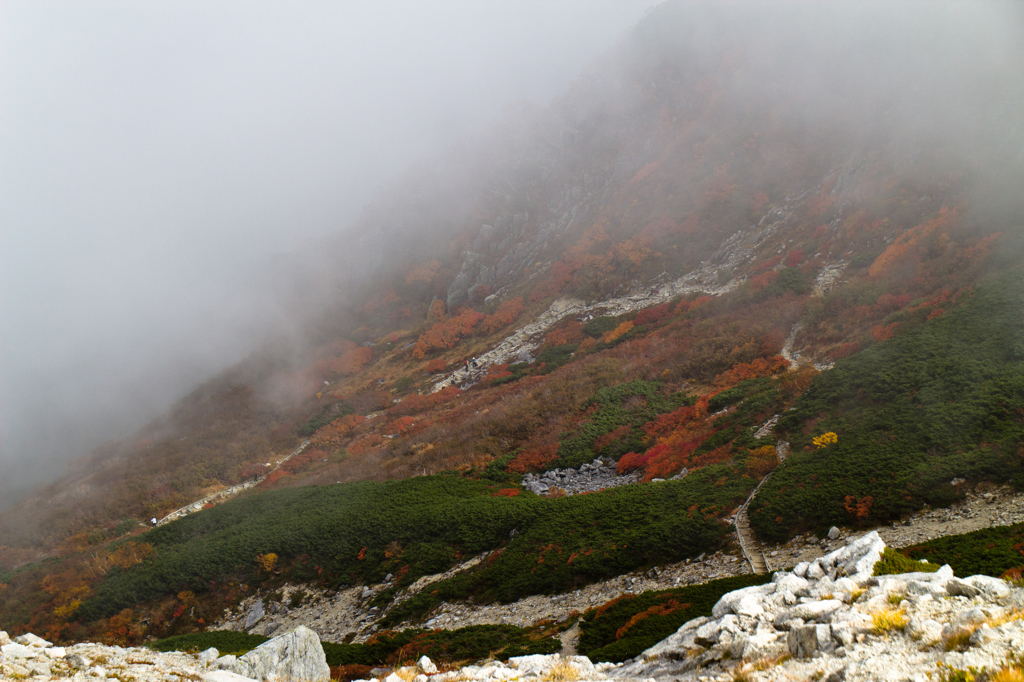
(673, 253)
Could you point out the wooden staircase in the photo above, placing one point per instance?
(751, 550)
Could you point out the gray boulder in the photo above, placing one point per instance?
(293, 657)
(806, 639)
(255, 614)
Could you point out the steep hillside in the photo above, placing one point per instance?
(710, 252)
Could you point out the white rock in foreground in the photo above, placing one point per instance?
(297, 655)
(294, 657)
(822, 615)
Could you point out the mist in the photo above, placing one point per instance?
(155, 157)
(170, 171)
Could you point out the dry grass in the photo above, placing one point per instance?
(896, 598)
(962, 637)
(406, 673)
(563, 671)
(770, 661)
(1008, 674)
(886, 621)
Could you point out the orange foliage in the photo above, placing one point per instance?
(881, 333)
(507, 492)
(437, 365)
(762, 461)
(795, 258)
(131, 553)
(762, 281)
(348, 359)
(657, 610)
(419, 403)
(534, 459)
(859, 509)
(612, 436)
(444, 335)
(507, 313)
(436, 312)
(911, 245)
(571, 333)
(653, 314)
(759, 367)
(621, 330)
(422, 273)
(333, 435)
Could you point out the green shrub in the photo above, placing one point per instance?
(624, 627)
(390, 648)
(344, 532)
(912, 413)
(225, 641)
(892, 563)
(600, 325)
(989, 551)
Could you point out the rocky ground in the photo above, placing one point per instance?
(831, 620)
(335, 615)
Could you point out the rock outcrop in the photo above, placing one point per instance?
(831, 619)
(296, 655)
(293, 657)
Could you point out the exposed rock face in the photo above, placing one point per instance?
(297, 655)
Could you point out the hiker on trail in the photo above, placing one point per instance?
(474, 362)
(467, 365)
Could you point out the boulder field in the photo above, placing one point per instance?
(829, 619)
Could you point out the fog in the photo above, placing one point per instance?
(155, 156)
(158, 158)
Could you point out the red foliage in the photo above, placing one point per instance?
(534, 459)
(908, 248)
(795, 258)
(571, 333)
(507, 492)
(420, 403)
(762, 281)
(444, 335)
(612, 436)
(768, 264)
(859, 509)
(507, 313)
(846, 350)
(347, 359)
(437, 365)
(334, 435)
(759, 367)
(654, 314)
(881, 333)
